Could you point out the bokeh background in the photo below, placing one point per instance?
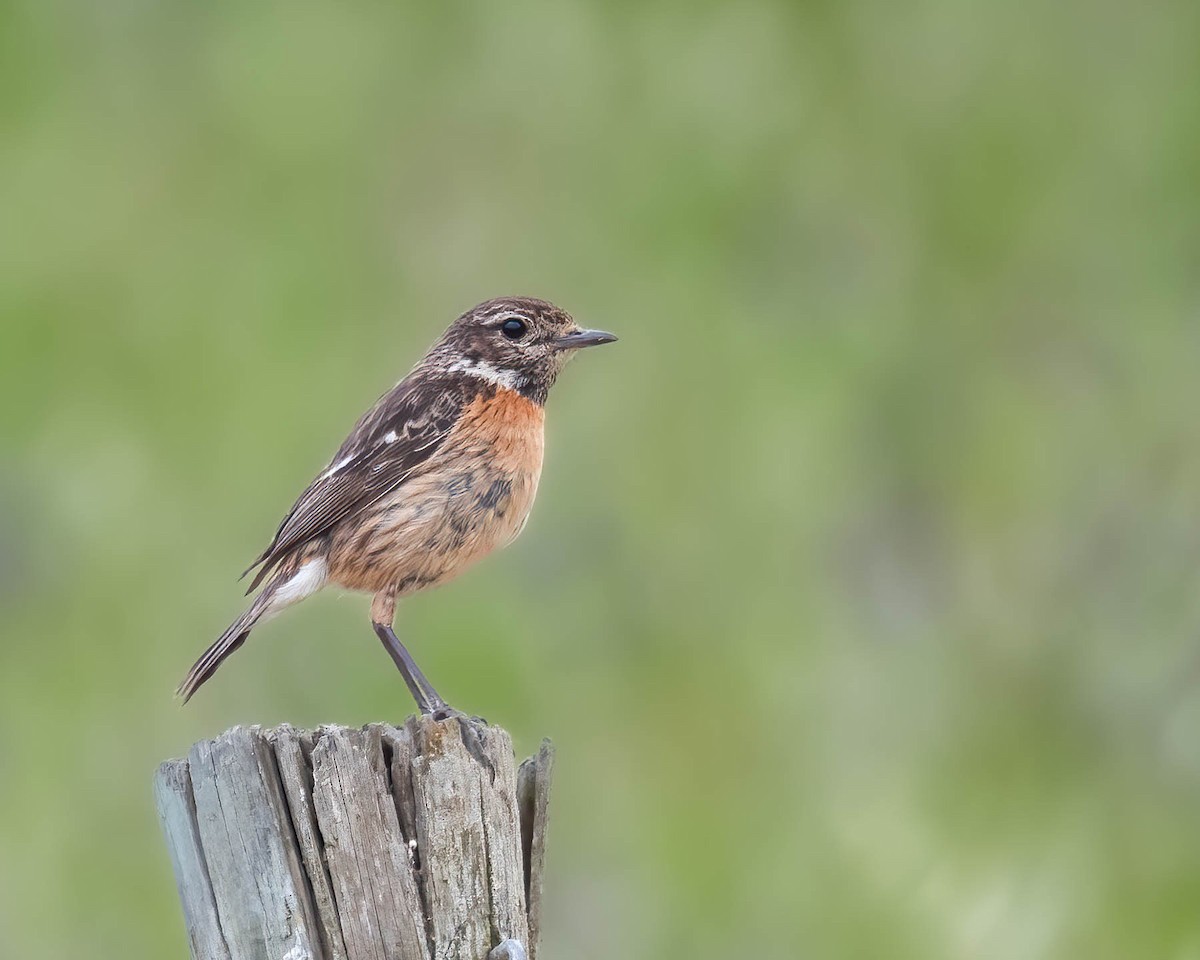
(861, 595)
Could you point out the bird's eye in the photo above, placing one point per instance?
(513, 329)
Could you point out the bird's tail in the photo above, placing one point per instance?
(228, 642)
(299, 577)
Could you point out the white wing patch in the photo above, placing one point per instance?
(390, 437)
(336, 467)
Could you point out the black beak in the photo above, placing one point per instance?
(583, 338)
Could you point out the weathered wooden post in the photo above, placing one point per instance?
(380, 843)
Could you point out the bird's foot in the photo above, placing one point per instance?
(472, 731)
(445, 712)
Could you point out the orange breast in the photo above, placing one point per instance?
(508, 425)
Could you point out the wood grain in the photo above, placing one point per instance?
(379, 843)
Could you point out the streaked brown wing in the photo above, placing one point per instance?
(388, 444)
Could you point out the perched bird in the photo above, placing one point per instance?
(440, 472)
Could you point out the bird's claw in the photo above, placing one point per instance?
(445, 712)
(472, 732)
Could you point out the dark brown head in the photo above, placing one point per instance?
(514, 342)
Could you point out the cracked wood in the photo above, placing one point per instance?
(379, 843)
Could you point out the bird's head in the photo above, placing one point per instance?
(515, 342)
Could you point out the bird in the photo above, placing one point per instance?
(440, 472)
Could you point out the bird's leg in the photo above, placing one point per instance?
(429, 701)
(383, 611)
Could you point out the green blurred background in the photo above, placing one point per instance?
(861, 595)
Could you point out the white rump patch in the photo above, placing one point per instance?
(509, 379)
(307, 580)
